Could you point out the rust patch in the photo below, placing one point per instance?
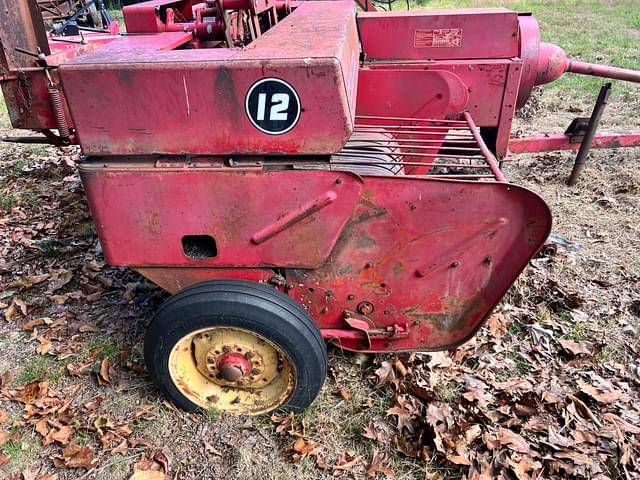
(153, 221)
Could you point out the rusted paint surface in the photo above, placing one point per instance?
(174, 279)
(142, 213)
(409, 223)
(21, 26)
(485, 33)
(204, 90)
(427, 257)
(549, 143)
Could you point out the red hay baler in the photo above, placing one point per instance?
(296, 173)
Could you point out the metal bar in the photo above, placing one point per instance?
(409, 154)
(550, 143)
(405, 164)
(408, 119)
(604, 71)
(414, 140)
(446, 133)
(417, 147)
(594, 121)
(468, 177)
(491, 160)
(414, 127)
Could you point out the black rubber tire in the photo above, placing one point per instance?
(241, 304)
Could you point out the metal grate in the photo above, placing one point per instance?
(450, 149)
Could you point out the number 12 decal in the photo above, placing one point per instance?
(273, 106)
(279, 106)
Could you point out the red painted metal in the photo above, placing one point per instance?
(382, 209)
(204, 90)
(431, 93)
(550, 143)
(478, 33)
(389, 241)
(233, 366)
(495, 169)
(604, 71)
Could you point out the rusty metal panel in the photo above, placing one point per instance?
(463, 33)
(21, 27)
(484, 83)
(425, 258)
(142, 213)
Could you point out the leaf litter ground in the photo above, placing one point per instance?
(547, 389)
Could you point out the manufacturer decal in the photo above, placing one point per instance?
(441, 37)
(273, 106)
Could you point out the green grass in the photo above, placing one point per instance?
(522, 365)
(41, 366)
(605, 32)
(22, 452)
(104, 347)
(30, 197)
(7, 201)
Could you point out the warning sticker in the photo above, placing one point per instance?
(441, 37)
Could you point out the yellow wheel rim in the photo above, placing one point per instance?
(231, 369)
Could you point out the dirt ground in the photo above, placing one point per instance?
(548, 388)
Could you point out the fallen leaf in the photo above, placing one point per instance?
(377, 465)
(24, 309)
(103, 374)
(148, 475)
(344, 394)
(61, 436)
(439, 359)
(44, 347)
(472, 433)
(42, 427)
(37, 322)
(577, 348)
(58, 279)
(601, 395)
(346, 461)
(30, 391)
(385, 373)
(75, 456)
(10, 312)
(513, 441)
(303, 447)
(622, 424)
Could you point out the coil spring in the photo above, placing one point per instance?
(58, 110)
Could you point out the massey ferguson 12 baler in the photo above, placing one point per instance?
(296, 173)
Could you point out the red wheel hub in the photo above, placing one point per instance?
(233, 366)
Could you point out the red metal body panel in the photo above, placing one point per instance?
(243, 206)
(203, 90)
(463, 33)
(425, 94)
(431, 257)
